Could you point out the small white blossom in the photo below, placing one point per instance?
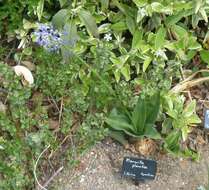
(108, 37)
(160, 53)
(141, 14)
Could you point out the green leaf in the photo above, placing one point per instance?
(59, 19)
(153, 107)
(146, 63)
(118, 136)
(105, 4)
(40, 9)
(125, 70)
(89, 21)
(204, 14)
(137, 39)
(139, 115)
(117, 75)
(204, 54)
(131, 24)
(62, 2)
(120, 26)
(70, 38)
(160, 38)
(179, 31)
(189, 109)
(151, 132)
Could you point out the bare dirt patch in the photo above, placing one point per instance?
(99, 169)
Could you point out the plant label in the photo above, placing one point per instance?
(206, 119)
(139, 169)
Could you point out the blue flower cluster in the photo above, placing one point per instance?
(47, 37)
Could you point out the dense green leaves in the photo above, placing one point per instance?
(140, 122)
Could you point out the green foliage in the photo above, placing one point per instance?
(113, 52)
(140, 122)
(179, 122)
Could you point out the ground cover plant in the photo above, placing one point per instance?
(94, 68)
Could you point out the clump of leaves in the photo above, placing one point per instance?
(140, 122)
(179, 123)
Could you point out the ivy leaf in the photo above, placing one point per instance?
(160, 38)
(40, 9)
(89, 21)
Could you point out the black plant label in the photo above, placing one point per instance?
(206, 119)
(139, 169)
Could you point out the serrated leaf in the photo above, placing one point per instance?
(89, 21)
(160, 38)
(59, 19)
(40, 9)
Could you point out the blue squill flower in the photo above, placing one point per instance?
(47, 37)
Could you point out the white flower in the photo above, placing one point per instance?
(108, 37)
(161, 53)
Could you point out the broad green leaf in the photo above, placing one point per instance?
(146, 63)
(131, 24)
(153, 107)
(137, 38)
(59, 19)
(104, 28)
(170, 20)
(172, 141)
(40, 9)
(89, 21)
(125, 70)
(62, 2)
(69, 38)
(118, 136)
(105, 4)
(194, 119)
(120, 122)
(151, 132)
(139, 115)
(197, 4)
(204, 54)
(120, 26)
(160, 38)
(189, 109)
(179, 31)
(140, 3)
(204, 14)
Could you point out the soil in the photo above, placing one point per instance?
(100, 168)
